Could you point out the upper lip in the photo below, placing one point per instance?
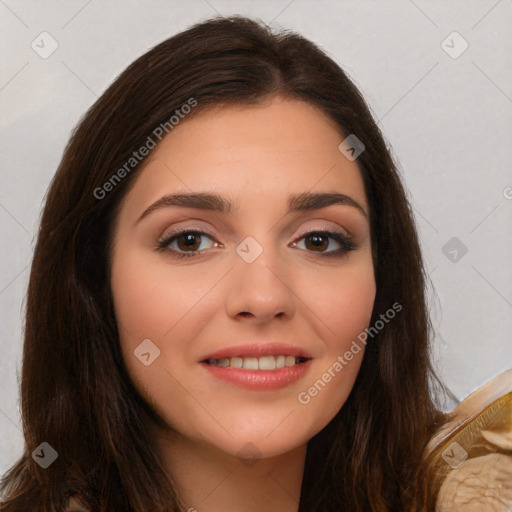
(257, 350)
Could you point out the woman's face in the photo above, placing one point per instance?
(245, 276)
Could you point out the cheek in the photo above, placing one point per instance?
(154, 302)
(150, 299)
(353, 310)
(169, 306)
(344, 302)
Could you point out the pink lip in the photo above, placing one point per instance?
(257, 350)
(259, 380)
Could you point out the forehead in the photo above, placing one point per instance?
(279, 125)
(284, 146)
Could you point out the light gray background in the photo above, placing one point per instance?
(448, 121)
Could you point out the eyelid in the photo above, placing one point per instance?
(336, 230)
(180, 231)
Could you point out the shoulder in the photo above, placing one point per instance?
(471, 455)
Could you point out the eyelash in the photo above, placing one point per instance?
(346, 244)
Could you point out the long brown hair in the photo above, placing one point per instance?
(75, 390)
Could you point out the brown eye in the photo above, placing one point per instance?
(317, 242)
(325, 243)
(186, 243)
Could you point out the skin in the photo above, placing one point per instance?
(229, 448)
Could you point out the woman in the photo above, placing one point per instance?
(228, 295)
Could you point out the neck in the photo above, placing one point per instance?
(210, 480)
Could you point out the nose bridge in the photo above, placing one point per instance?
(260, 280)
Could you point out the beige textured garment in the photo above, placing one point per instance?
(470, 458)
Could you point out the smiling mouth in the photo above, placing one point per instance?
(257, 363)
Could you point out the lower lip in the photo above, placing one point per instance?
(260, 380)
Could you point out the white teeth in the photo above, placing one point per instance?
(236, 362)
(250, 363)
(256, 363)
(267, 363)
(289, 361)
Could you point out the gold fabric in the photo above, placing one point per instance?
(471, 457)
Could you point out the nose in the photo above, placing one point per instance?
(262, 290)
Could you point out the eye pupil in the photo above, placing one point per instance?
(190, 240)
(318, 241)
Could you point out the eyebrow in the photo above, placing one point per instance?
(305, 201)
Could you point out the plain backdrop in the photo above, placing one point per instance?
(437, 76)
